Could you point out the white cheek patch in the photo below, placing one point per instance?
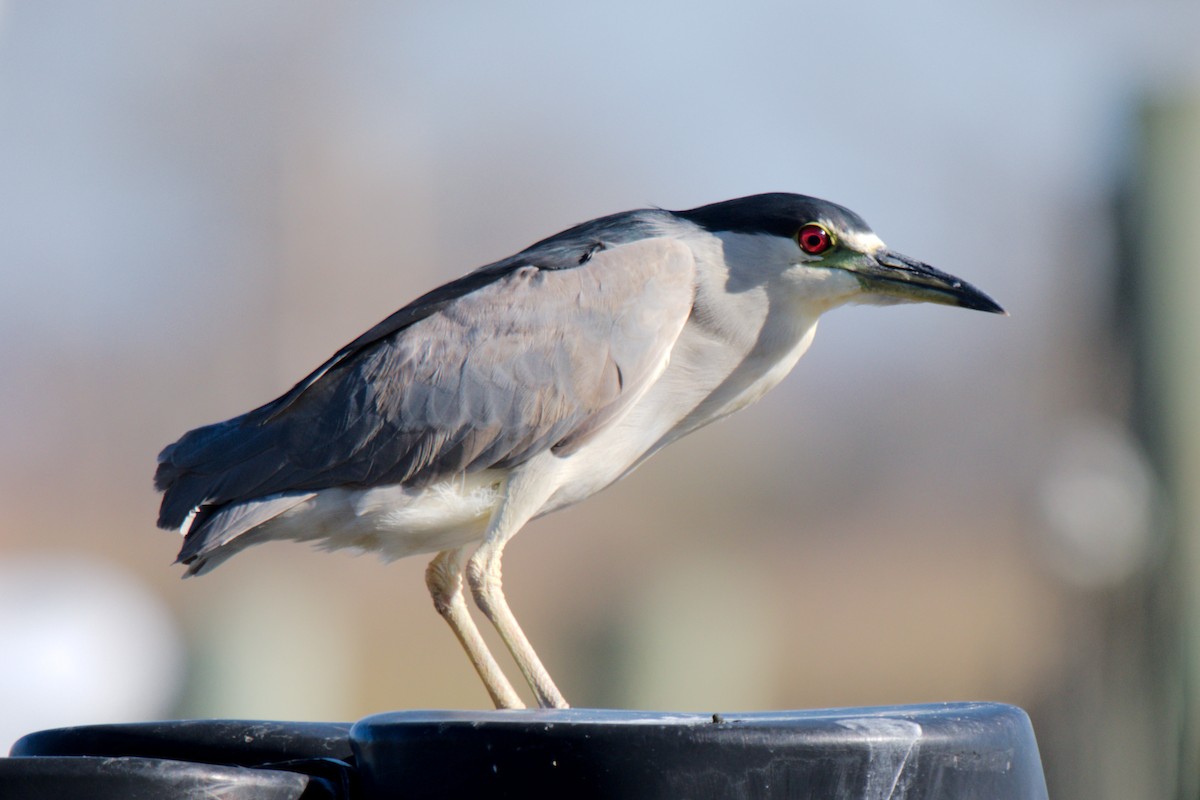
(863, 242)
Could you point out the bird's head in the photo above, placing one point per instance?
(828, 254)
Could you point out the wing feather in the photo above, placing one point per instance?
(534, 358)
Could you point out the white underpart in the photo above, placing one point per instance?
(394, 521)
(757, 305)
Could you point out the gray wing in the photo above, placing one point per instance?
(530, 360)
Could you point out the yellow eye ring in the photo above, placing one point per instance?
(814, 239)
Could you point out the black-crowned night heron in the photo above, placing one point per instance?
(528, 385)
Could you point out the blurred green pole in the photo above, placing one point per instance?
(1165, 238)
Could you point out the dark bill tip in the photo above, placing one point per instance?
(907, 277)
(970, 297)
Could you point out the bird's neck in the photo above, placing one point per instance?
(744, 336)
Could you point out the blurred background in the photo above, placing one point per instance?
(201, 201)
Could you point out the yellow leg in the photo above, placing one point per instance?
(443, 576)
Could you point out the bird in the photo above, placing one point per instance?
(528, 385)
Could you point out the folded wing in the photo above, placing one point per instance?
(483, 373)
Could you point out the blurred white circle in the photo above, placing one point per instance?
(83, 642)
(1098, 500)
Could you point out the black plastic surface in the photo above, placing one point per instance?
(318, 750)
(88, 778)
(247, 743)
(960, 751)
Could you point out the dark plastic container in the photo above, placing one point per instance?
(95, 778)
(960, 751)
(957, 750)
(229, 759)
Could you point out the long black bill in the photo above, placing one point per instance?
(895, 275)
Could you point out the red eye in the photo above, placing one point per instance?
(814, 239)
